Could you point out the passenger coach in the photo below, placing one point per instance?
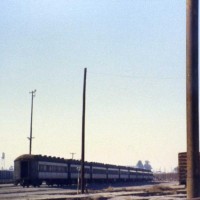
(36, 169)
(6, 176)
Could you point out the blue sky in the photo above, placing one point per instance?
(134, 51)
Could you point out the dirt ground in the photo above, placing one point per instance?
(123, 191)
(157, 190)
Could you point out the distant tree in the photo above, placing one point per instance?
(139, 164)
(147, 165)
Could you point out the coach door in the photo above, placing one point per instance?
(24, 169)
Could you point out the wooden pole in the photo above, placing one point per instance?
(193, 181)
(83, 136)
(31, 125)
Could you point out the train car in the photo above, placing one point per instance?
(6, 176)
(148, 175)
(113, 173)
(36, 169)
(74, 172)
(133, 174)
(124, 174)
(99, 172)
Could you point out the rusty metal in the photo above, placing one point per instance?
(193, 184)
(182, 167)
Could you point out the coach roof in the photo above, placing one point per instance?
(39, 158)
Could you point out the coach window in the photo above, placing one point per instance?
(40, 167)
(99, 171)
(73, 169)
(50, 168)
(47, 168)
(66, 169)
(54, 168)
(59, 169)
(87, 170)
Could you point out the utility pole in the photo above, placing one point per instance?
(193, 181)
(72, 155)
(30, 138)
(83, 136)
(3, 161)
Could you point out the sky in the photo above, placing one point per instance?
(134, 52)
